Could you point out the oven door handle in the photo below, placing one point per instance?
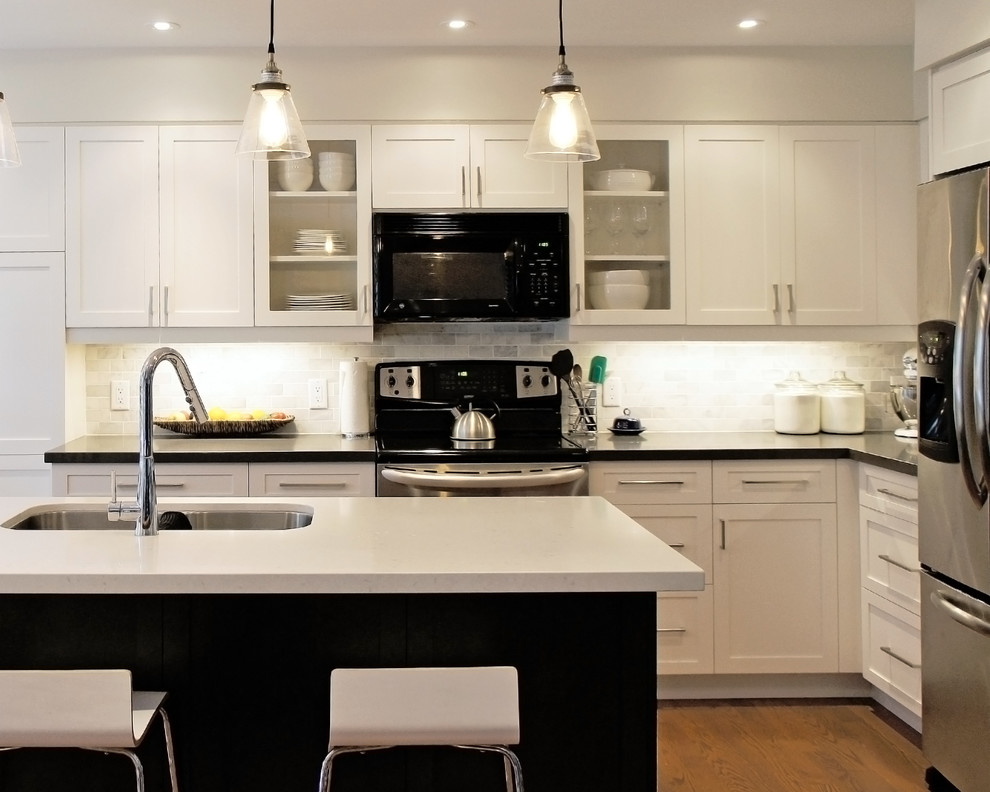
(512, 480)
(973, 615)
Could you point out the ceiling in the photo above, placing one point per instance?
(46, 24)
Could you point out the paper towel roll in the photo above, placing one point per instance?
(354, 420)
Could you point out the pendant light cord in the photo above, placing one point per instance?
(560, 22)
(271, 36)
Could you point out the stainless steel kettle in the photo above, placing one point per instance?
(472, 424)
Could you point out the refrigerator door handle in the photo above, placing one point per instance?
(981, 375)
(972, 615)
(963, 383)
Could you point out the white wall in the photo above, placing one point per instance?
(739, 84)
(944, 29)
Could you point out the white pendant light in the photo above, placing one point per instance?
(10, 157)
(562, 131)
(272, 130)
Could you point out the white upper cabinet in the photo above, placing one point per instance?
(32, 197)
(158, 228)
(732, 211)
(960, 113)
(455, 166)
(800, 225)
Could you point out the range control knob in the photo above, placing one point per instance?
(410, 381)
(545, 381)
(390, 381)
(527, 381)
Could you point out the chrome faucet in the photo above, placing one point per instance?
(145, 509)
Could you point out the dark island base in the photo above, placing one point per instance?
(249, 680)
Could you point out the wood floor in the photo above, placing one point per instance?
(786, 746)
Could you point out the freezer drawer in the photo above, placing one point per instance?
(955, 645)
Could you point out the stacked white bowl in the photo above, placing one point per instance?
(625, 289)
(295, 175)
(623, 179)
(336, 170)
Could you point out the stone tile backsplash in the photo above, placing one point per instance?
(671, 386)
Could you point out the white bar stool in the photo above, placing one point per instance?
(472, 708)
(96, 710)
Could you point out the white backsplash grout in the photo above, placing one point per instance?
(670, 386)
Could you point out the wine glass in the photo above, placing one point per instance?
(616, 224)
(591, 224)
(641, 223)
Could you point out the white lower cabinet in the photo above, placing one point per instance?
(238, 479)
(891, 584)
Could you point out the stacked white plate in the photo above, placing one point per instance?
(319, 302)
(320, 240)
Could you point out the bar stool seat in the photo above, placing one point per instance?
(476, 708)
(96, 710)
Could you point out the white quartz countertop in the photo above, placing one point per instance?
(356, 546)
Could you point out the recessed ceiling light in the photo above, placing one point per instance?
(458, 24)
(747, 24)
(163, 26)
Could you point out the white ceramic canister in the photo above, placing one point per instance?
(843, 405)
(796, 408)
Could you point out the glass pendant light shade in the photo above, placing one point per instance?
(272, 129)
(10, 157)
(562, 131)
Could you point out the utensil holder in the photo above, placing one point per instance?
(582, 418)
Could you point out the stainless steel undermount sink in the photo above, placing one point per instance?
(196, 517)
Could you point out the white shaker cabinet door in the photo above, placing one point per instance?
(420, 166)
(502, 177)
(732, 210)
(32, 197)
(206, 211)
(111, 213)
(828, 228)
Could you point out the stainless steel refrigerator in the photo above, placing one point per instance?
(953, 478)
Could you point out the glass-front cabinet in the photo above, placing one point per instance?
(627, 222)
(313, 234)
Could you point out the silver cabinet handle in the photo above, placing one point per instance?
(790, 298)
(312, 484)
(577, 298)
(479, 184)
(158, 485)
(888, 651)
(151, 306)
(634, 482)
(722, 524)
(892, 494)
(463, 185)
(365, 298)
(165, 310)
(896, 563)
(775, 481)
(971, 614)
(776, 297)
(676, 545)
(671, 629)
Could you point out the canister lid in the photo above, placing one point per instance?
(840, 382)
(795, 383)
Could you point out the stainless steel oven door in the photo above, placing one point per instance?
(466, 479)
(955, 652)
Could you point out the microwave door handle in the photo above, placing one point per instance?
(963, 383)
(981, 376)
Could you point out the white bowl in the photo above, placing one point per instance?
(619, 296)
(336, 182)
(622, 179)
(305, 163)
(628, 276)
(295, 180)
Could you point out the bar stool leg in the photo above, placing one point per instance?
(138, 767)
(169, 750)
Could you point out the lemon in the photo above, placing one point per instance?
(218, 414)
(259, 415)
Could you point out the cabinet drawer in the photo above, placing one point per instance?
(652, 482)
(685, 643)
(685, 527)
(892, 650)
(889, 558)
(173, 480)
(791, 481)
(314, 479)
(889, 492)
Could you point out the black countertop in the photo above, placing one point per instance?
(877, 448)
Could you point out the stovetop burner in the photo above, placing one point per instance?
(414, 403)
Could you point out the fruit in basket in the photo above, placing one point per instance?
(178, 415)
(258, 415)
(217, 414)
(278, 415)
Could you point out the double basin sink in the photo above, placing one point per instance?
(196, 517)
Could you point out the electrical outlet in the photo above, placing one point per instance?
(612, 391)
(318, 394)
(120, 395)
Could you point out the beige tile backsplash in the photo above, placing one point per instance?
(671, 386)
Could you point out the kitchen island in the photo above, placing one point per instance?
(243, 627)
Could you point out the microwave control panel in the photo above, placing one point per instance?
(542, 275)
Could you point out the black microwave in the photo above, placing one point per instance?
(435, 267)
